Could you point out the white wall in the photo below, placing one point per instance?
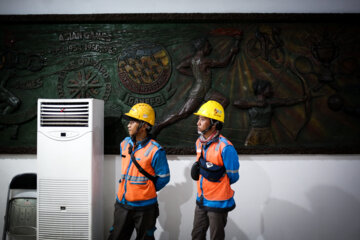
(279, 197)
(184, 6)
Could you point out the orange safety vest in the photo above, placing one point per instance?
(134, 186)
(214, 191)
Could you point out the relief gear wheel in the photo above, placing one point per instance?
(213, 110)
(143, 112)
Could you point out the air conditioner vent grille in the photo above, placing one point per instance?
(63, 208)
(64, 114)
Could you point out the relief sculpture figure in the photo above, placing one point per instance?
(260, 111)
(8, 62)
(8, 101)
(199, 66)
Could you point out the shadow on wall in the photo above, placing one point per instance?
(233, 232)
(171, 218)
(110, 184)
(334, 215)
(336, 211)
(252, 193)
(284, 220)
(170, 210)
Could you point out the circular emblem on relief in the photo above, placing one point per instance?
(88, 82)
(144, 68)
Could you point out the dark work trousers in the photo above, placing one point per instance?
(126, 220)
(203, 219)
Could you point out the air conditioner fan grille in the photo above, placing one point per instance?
(64, 114)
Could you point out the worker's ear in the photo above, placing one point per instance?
(146, 126)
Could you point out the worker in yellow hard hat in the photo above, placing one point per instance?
(214, 112)
(215, 169)
(143, 114)
(144, 171)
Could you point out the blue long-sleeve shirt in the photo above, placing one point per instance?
(161, 167)
(231, 163)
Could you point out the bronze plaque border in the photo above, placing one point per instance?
(348, 18)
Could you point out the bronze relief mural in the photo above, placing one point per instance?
(286, 86)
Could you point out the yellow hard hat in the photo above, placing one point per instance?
(212, 109)
(143, 112)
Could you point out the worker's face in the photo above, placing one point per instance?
(203, 123)
(132, 127)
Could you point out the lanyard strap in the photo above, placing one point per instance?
(141, 170)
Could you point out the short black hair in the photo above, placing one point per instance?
(218, 124)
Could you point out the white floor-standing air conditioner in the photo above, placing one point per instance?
(70, 169)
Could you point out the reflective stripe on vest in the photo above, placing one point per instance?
(214, 191)
(134, 185)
